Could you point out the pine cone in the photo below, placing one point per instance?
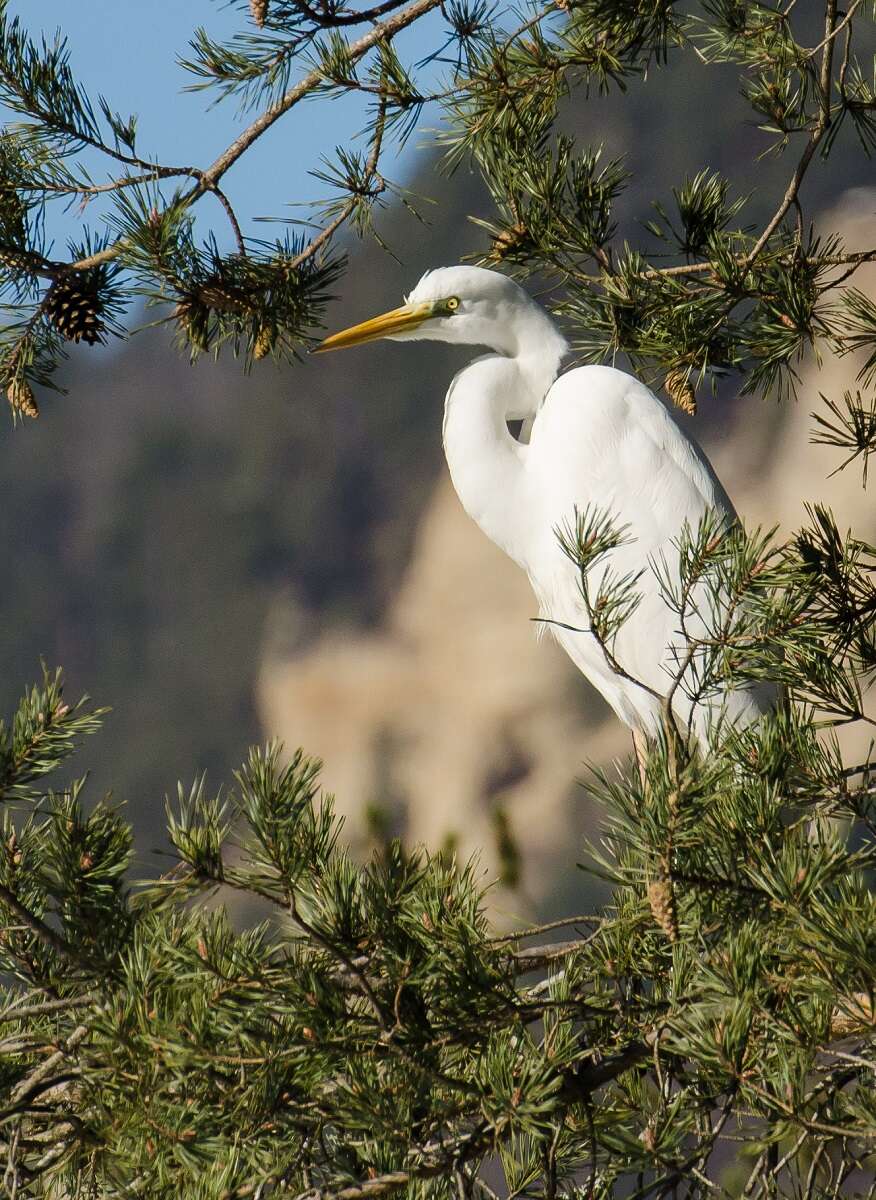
(680, 390)
(507, 241)
(662, 900)
(259, 11)
(73, 306)
(20, 395)
(264, 342)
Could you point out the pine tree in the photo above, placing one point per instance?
(364, 1032)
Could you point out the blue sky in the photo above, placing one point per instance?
(127, 52)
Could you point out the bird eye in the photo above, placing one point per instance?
(452, 304)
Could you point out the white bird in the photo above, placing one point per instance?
(598, 437)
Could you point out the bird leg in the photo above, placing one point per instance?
(640, 746)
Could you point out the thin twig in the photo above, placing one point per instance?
(232, 217)
(19, 1012)
(438, 1158)
(329, 231)
(337, 20)
(535, 957)
(27, 1086)
(115, 185)
(821, 126)
(838, 29)
(536, 930)
(207, 179)
(40, 928)
(354, 51)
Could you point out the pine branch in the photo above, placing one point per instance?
(43, 931)
(39, 1079)
(821, 127)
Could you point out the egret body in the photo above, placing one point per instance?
(597, 437)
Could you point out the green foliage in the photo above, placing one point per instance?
(710, 297)
(363, 1031)
(268, 1017)
(851, 428)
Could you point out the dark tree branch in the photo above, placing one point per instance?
(43, 931)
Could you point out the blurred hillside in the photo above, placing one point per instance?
(169, 527)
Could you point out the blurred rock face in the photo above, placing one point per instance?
(453, 710)
(454, 707)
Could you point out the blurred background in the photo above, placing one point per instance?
(226, 558)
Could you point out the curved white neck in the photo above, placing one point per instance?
(486, 464)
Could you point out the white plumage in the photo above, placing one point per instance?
(597, 438)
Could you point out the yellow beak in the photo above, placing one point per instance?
(409, 316)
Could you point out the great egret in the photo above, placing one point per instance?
(598, 437)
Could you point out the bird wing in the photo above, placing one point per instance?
(603, 439)
(621, 448)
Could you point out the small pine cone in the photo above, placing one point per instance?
(662, 900)
(20, 395)
(264, 343)
(73, 306)
(259, 11)
(506, 242)
(680, 390)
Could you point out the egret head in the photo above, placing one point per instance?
(469, 306)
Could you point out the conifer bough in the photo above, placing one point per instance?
(704, 293)
(711, 1032)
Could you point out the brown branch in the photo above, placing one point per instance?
(232, 217)
(207, 180)
(821, 126)
(326, 234)
(535, 930)
(533, 958)
(382, 31)
(341, 19)
(27, 1086)
(19, 1012)
(29, 260)
(438, 1158)
(96, 260)
(837, 30)
(855, 259)
(115, 185)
